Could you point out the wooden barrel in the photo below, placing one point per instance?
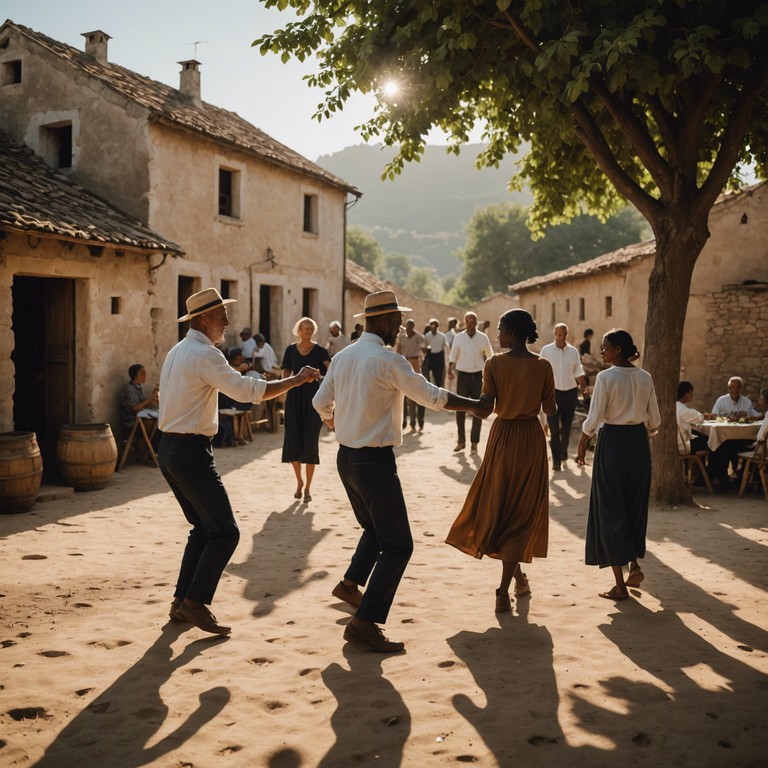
(21, 470)
(86, 455)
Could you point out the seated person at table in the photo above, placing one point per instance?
(734, 405)
(226, 435)
(135, 405)
(264, 357)
(688, 441)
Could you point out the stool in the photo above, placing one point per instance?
(138, 427)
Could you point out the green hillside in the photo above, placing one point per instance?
(424, 211)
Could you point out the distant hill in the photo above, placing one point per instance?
(424, 211)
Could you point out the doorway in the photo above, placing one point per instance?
(43, 325)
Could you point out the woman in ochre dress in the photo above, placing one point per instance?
(302, 421)
(506, 513)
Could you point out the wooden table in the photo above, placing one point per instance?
(718, 432)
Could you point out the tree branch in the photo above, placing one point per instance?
(592, 138)
(637, 135)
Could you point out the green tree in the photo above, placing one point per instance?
(659, 102)
(395, 267)
(422, 282)
(363, 249)
(500, 250)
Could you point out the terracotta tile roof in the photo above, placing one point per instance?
(360, 278)
(607, 261)
(35, 198)
(623, 256)
(169, 104)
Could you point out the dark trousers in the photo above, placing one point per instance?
(435, 364)
(469, 385)
(560, 423)
(369, 476)
(186, 462)
(412, 412)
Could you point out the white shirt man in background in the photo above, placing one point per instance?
(569, 378)
(471, 348)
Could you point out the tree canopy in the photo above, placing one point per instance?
(500, 250)
(659, 102)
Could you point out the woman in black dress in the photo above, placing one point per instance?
(302, 422)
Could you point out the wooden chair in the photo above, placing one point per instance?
(751, 461)
(139, 428)
(691, 461)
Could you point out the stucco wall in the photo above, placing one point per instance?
(105, 343)
(183, 206)
(109, 145)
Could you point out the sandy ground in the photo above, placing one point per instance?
(92, 674)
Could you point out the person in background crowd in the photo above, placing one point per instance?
(734, 405)
(471, 348)
(337, 340)
(434, 352)
(409, 344)
(264, 358)
(569, 378)
(247, 344)
(355, 335)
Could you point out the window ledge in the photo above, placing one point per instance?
(228, 220)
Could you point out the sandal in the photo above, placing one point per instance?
(614, 594)
(635, 578)
(503, 602)
(522, 587)
(172, 612)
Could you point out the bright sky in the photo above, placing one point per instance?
(151, 37)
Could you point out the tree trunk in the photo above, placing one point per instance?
(680, 238)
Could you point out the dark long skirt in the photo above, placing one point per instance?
(618, 502)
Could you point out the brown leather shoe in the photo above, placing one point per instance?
(503, 602)
(172, 612)
(371, 636)
(202, 618)
(459, 447)
(347, 594)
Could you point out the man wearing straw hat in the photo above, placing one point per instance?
(193, 373)
(361, 397)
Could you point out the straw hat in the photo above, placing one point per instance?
(204, 301)
(381, 303)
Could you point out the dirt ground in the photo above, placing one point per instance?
(92, 674)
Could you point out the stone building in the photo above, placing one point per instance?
(726, 327)
(249, 216)
(74, 276)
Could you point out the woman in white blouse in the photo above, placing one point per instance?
(624, 408)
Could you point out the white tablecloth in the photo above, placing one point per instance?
(718, 432)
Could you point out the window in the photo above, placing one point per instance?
(12, 72)
(229, 289)
(533, 311)
(310, 214)
(608, 306)
(56, 144)
(116, 310)
(582, 309)
(229, 193)
(567, 306)
(554, 312)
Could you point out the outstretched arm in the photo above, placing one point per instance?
(275, 388)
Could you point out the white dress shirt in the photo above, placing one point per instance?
(724, 406)
(193, 373)
(267, 356)
(687, 418)
(566, 363)
(363, 392)
(622, 396)
(435, 341)
(247, 347)
(469, 353)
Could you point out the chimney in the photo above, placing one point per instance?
(96, 45)
(190, 80)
